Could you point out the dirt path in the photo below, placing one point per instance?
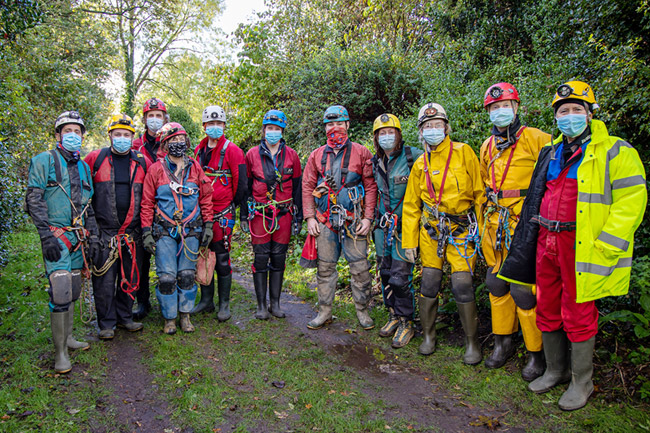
(405, 390)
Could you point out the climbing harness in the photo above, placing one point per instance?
(116, 244)
(222, 221)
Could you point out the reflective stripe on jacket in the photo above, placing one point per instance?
(612, 198)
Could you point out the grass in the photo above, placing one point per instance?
(248, 375)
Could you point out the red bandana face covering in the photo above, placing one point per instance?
(337, 137)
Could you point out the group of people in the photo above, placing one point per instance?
(554, 220)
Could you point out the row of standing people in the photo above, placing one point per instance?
(444, 202)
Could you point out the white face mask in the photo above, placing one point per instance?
(433, 136)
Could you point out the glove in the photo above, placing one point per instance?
(95, 252)
(244, 226)
(148, 241)
(51, 248)
(410, 254)
(331, 182)
(208, 234)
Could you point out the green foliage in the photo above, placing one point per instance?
(194, 129)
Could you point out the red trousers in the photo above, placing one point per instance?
(556, 288)
(261, 225)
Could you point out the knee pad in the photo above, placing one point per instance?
(359, 267)
(400, 276)
(61, 287)
(222, 265)
(76, 284)
(219, 247)
(278, 262)
(278, 248)
(261, 262)
(495, 285)
(326, 269)
(462, 287)
(186, 279)
(166, 284)
(523, 296)
(431, 280)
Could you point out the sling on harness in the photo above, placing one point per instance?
(116, 243)
(222, 220)
(494, 193)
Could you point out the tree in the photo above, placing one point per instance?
(147, 31)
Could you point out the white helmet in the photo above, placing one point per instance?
(69, 117)
(431, 111)
(213, 112)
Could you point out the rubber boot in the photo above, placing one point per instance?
(260, 280)
(275, 289)
(323, 318)
(223, 286)
(186, 325)
(582, 368)
(469, 319)
(170, 326)
(364, 318)
(556, 351)
(59, 325)
(405, 331)
(70, 341)
(206, 304)
(428, 312)
(503, 350)
(388, 330)
(535, 366)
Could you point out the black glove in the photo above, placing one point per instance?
(51, 248)
(95, 253)
(208, 234)
(331, 182)
(244, 226)
(148, 242)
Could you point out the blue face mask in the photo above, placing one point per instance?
(502, 117)
(214, 132)
(71, 142)
(122, 144)
(572, 125)
(273, 137)
(154, 124)
(387, 142)
(433, 136)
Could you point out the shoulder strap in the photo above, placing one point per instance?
(409, 156)
(139, 158)
(103, 154)
(57, 165)
(222, 156)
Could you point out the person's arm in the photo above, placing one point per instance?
(239, 171)
(205, 194)
(412, 207)
(247, 178)
(309, 178)
(370, 186)
(35, 203)
(297, 187)
(148, 203)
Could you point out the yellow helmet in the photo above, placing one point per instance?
(386, 121)
(120, 121)
(575, 90)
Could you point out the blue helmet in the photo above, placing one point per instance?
(336, 113)
(275, 117)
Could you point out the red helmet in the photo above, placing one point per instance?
(500, 92)
(170, 130)
(153, 104)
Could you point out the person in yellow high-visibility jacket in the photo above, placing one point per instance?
(508, 158)
(442, 202)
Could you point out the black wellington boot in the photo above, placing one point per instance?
(260, 279)
(224, 284)
(206, 304)
(275, 288)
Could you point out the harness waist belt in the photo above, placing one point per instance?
(554, 226)
(508, 193)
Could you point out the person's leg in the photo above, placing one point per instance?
(430, 285)
(167, 270)
(329, 250)
(356, 253)
(526, 301)
(185, 279)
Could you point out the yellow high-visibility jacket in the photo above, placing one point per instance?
(612, 197)
(463, 187)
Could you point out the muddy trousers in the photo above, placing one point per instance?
(176, 291)
(330, 248)
(396, 285)
(112, 303)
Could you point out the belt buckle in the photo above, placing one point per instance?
(493, 197)
(554, 226)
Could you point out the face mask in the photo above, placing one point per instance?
(177, 149)
(121, 144)
(502, 117)
(433, 136)
(572, 125)
(387, 142)
(71, 142)
(273, 137)
(214, 132)
(337, 137)
(154, 124)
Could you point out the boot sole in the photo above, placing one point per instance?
(223, 319)
(569, 409)
(79, 349)
(312, 327)
(547, 389)
(63, 371)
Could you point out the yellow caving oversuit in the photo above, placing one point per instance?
(507, 161)
(441, 220)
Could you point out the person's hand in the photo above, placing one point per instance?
(51, 248)
(208, 234)
(95, 252)
(365, 227)
(148, 241)
(312, 227)
(410, 254)
(244, 226)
